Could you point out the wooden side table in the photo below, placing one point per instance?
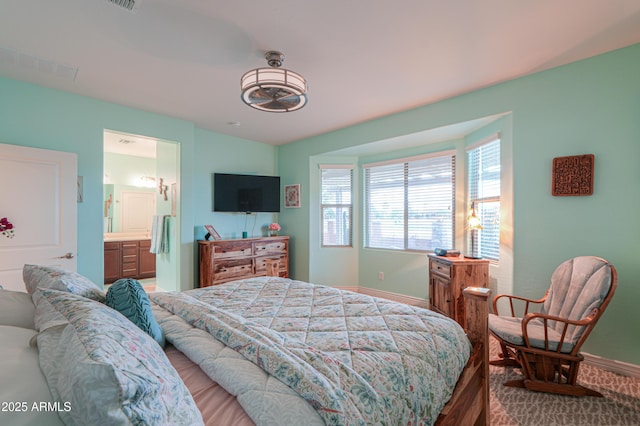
(448, 276)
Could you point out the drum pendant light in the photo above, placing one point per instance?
(274, 89)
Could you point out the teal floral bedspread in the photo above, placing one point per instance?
(354, 358)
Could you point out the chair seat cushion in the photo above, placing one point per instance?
(510, 330)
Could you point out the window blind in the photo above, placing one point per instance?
(410, 204)
(484, 194)
(336, 206)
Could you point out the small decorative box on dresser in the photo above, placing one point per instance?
(227, 260)
(448, 276)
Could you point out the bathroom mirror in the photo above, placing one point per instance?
(128, 209)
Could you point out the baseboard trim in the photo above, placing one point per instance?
(618, 367)
(409, 300)
(613, 366)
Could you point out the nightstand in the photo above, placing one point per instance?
(448, 276)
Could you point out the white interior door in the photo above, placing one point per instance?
(38, 196)
(138, 209)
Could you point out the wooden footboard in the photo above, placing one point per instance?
(469, 404)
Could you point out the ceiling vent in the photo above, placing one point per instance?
(20, 61)
(127, 4)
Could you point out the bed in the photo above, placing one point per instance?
(264, 350)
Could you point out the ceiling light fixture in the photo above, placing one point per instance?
(274, 89)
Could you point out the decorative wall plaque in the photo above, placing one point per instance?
(573, 175)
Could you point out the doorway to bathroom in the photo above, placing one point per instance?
(141, 210)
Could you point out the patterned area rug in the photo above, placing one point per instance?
(521, 407)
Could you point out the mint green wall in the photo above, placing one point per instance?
(218, 153)
(331, 265)
(592, 106)
(295, 221)
(39, 117)
(167, 264)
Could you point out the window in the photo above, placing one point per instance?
(484, 195)
(410, 203)
(336, 205)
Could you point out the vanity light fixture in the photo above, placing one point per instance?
(147, 181)
(274, 89)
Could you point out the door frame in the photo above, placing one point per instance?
(168, 265)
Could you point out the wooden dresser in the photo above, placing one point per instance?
(448, 276)
(227, 260)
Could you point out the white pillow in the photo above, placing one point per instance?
(23, 383)
(17, 309)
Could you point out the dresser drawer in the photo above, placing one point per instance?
(129, 269)
(129, 248)
(269, 248)
(440, 268)
(232, 269)
(239, 249)
(111, 245)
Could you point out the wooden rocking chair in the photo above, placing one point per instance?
(546, 345)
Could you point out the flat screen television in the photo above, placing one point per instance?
(246, 193)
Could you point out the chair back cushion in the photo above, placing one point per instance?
(577, 287)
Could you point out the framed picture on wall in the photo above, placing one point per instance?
(292, 195)
(572, 175)
(211, 231)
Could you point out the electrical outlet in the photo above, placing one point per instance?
(381, 276)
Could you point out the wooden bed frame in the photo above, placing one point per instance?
(469, 404)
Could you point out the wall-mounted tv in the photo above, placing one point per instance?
(246, 193)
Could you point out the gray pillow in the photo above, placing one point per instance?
(107, 368)
(38, 276)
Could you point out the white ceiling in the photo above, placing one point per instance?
(127, 144)
(362, 59)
